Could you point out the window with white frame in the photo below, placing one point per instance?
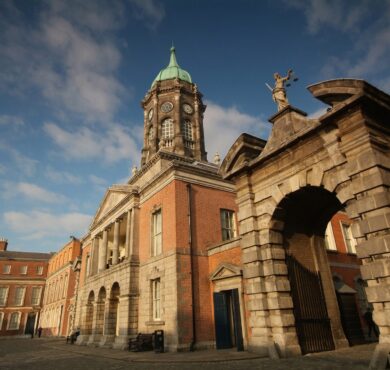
(156, 299)
(14, 319)
(228, 224)
(156, 247)
(23, 270)
(39, 270)
(6, 269)
(19, 296)
(3, 295)
(1, 320)
(187, 129)
(350, 241)
(36, 295)
(330, 243)
(167, 128)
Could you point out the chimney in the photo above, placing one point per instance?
(3, 244)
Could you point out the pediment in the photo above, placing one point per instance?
(225, 270)
(113, 196)
(244, 149)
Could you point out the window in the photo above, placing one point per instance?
(330, 243)
(167, 128)
(6, 269)
(151, 136)
(39, 270)
(227, 224)
(14, 321)
(19, 296)
(350, 241)
(156, 233)
(23, 270)
(3, 295)
(1, 319)
(187, 130)
(35, 295)
(156, 301)
(88, 264)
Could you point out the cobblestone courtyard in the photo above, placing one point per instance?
(48, 354)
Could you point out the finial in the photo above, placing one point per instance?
(172, 60)
(217, 158)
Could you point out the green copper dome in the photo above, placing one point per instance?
(172, 71)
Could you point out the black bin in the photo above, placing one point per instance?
(159, 341)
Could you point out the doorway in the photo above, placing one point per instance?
(227, 316)
(30, 324)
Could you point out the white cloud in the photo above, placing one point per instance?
(3, 169)
(110, 146)
(331, 13)
(26, 165)
(62, 177)
(11, 120)
(364, 26)
(151, 11)
(96, 180)
(69, 55)
(37, 224)
(222, 127)
(31, 192)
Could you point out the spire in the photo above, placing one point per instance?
(172, 60)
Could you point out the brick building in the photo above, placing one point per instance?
(22, 283)
(349, 285)
(58, 302)
(162, 244)
(171, 250)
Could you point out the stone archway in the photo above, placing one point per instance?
(302, 216)
(113, 324)
(346, 152)
(98, 319)
(87, 313)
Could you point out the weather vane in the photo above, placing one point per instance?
(279, 91)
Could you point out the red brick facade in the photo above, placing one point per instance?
(58, 312)
(22, 283)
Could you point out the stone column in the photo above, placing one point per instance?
(115, 251)
(133, 240)
(103, 251)
(128, 232)
(123, 314)
(108, 336)
(93, 337)
(92, 257)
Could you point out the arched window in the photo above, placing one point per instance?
(187, 129)
(167, 128)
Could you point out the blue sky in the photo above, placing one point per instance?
(72, 75)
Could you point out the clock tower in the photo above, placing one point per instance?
(173, 115)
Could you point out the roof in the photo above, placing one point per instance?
(11, 255)
(172, 71)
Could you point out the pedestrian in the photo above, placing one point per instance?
(370, 323)
(39, 331)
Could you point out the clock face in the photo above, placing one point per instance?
(150, 114)
(188, 109)
(166, 107)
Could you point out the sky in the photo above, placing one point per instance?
(73, 73)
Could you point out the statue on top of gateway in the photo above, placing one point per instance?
(279, 91)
